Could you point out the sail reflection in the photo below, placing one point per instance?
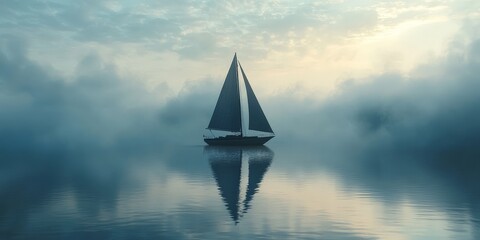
(226, 164)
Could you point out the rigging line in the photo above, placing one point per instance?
(212, 133)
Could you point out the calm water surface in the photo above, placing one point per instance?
(198, 192)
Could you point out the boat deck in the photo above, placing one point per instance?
(237, 140)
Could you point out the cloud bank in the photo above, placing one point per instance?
(42, 111)
(432, 110)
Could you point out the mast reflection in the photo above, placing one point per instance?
(226, 165)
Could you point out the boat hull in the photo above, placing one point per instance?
(237, 141)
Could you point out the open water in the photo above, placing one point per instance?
(199, 192)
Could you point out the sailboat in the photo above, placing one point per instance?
(229, 115)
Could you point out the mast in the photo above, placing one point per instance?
(239, 95)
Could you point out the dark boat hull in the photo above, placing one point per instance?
(237, 141)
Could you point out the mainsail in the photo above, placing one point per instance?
(227, 115)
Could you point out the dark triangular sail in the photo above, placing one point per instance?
(256, 117)
(227, 115)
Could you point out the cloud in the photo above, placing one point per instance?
(191, 29)
(42, 111)
(431, 112)
(45, 113)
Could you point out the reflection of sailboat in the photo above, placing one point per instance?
(226, 164)
(228, 115)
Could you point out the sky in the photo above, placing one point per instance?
(367, 75)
